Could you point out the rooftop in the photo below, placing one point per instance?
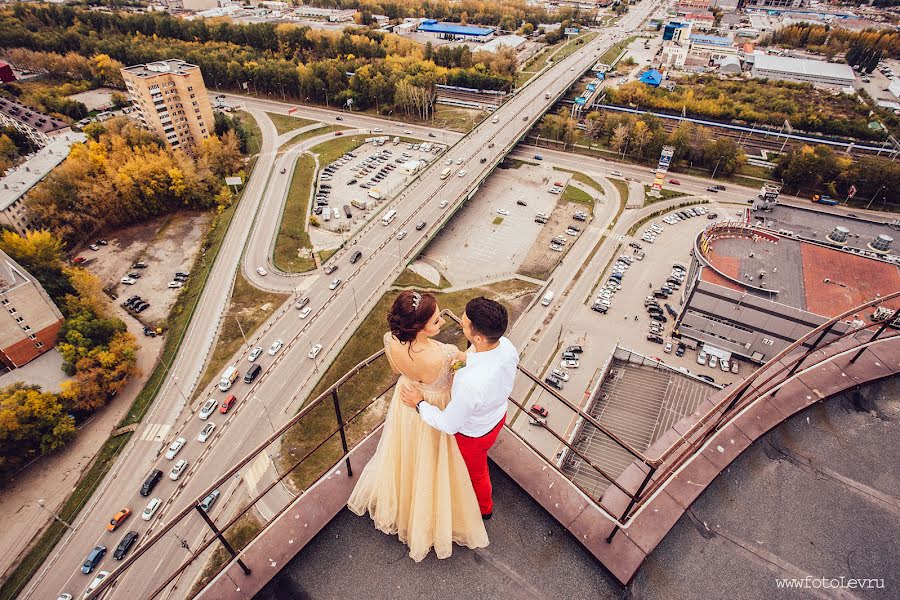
(27, 115)
(816, 68)
(822, 280)
(12, 275)
(711, 40)
(504, 41)
(19, 180)
(432, 26)
(171, 66)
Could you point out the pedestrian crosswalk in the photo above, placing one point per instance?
(155, 432)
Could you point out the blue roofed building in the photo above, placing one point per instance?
(652, 77)
(454, 31)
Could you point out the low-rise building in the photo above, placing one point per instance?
(711, 49)
(803, 70)
(504, 41)
(6, 73)
(20, 179)
(39, 128)
(455, 31)
(29, 320)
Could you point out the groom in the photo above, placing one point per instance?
(479, 396)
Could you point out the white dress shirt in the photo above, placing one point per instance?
(480, 393)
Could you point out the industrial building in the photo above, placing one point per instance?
(753, 290)
(20, 179)
(170, 98)
(29, 320)
(504, 41)
(455, 31)
(39, 128)
(6, 73)
(802, 70)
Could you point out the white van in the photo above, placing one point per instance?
(547, 299)
(388, 217)
(445, 173)
(228, 378)
(495, 119)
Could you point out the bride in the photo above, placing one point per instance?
(416, 484)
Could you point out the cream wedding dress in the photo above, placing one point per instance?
(416, 485)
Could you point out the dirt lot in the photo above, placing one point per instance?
(167, 244)
(541, 260)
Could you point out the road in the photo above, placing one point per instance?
(289, 375)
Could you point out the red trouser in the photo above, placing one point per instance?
(474, 452)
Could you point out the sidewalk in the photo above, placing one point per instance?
(52, 477)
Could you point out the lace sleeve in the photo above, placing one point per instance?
(387, 351)
(450, 353)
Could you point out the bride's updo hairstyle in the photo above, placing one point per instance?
(409, 314)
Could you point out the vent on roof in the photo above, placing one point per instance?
(839, 235)
(882, 243)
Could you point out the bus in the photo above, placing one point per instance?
(388, 217)
(445, 173)
(360, 204)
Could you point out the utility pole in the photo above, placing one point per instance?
(242, 331)
(40, 503)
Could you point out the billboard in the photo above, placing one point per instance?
(571, 31)
(591, 87)
(580, 100)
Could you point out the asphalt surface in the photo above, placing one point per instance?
(289, 375)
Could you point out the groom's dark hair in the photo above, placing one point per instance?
(489, 318)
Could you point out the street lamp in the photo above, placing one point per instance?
(40, 503)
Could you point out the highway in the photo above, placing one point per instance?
(288, 375)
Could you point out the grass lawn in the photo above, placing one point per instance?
(248, 309)
(514, 163)
(574, 45)
(623, 189)
(293, 249)
(410, 278)
(582, 178)
(611, 54)
(254, 137)
(238, 535)
(358, 391)
(667, 194)
(326, 254)
(285, 123)
(301, 137)
(573, 194)
(332, 150)
(456, 119)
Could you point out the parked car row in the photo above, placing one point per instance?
(603, 301)
(136, 304)
(570, 357)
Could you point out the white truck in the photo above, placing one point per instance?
(375, 194)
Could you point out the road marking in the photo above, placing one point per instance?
(254, 471)
(156, 432)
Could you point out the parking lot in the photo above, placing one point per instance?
(352, 188)
(482, 235)
(166, 245)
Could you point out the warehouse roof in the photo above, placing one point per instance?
(432, 26)
(505, 41)
(804, 66)
(710, 40)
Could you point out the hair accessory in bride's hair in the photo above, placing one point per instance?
(416, 299)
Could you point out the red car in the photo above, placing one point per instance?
(674, 182)
(558, 183)
(78, 260)
(337, 133)
(227, 403)
(540, 410)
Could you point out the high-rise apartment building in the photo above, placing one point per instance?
(170, 98)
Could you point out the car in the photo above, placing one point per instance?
(102, 242)
(668, 348)
(431, 135)
(129, 280)
(734, 367)
(461, 173)
(283, 171)
(150, 482)
(378, 130)
(707, 378)
(314, 351)
(151, 509)
(443, 204)
(93, 559)
(458, 161)
(679, 350)
(207, 502)
(254, 354)
(654, 338)
(352, 181)
(305, 312)
(712, 216)
(275, 347)
(339, 118)
(94, 247)
(420, 225)
(502, 211)
(674, 182)
(329, 269)
(554, 382)
(125, 545)
(118, 519)
(227, 403)
(206, 432)
(175, 448)
(713, 362)
(569, 364)
(539, 410)
(355, 257)
(569, 355)
(616, 173)
(301, 302)
(334, 284)
(719, 187)
(262, 271)
(575, 349)
(408, 132)
(96, 582)
(559, 374)
(401, 234)
(521, 203)
(209, 407)
(175, 284)
(725, 365)
(712, 189)
(448, 162)
(178, 469)
(525, 118)
(538, 157)
(701, 358)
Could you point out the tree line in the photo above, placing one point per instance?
(862, 48)
(97, 350)
(124, 174)
(753, 101)
(819, 169)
